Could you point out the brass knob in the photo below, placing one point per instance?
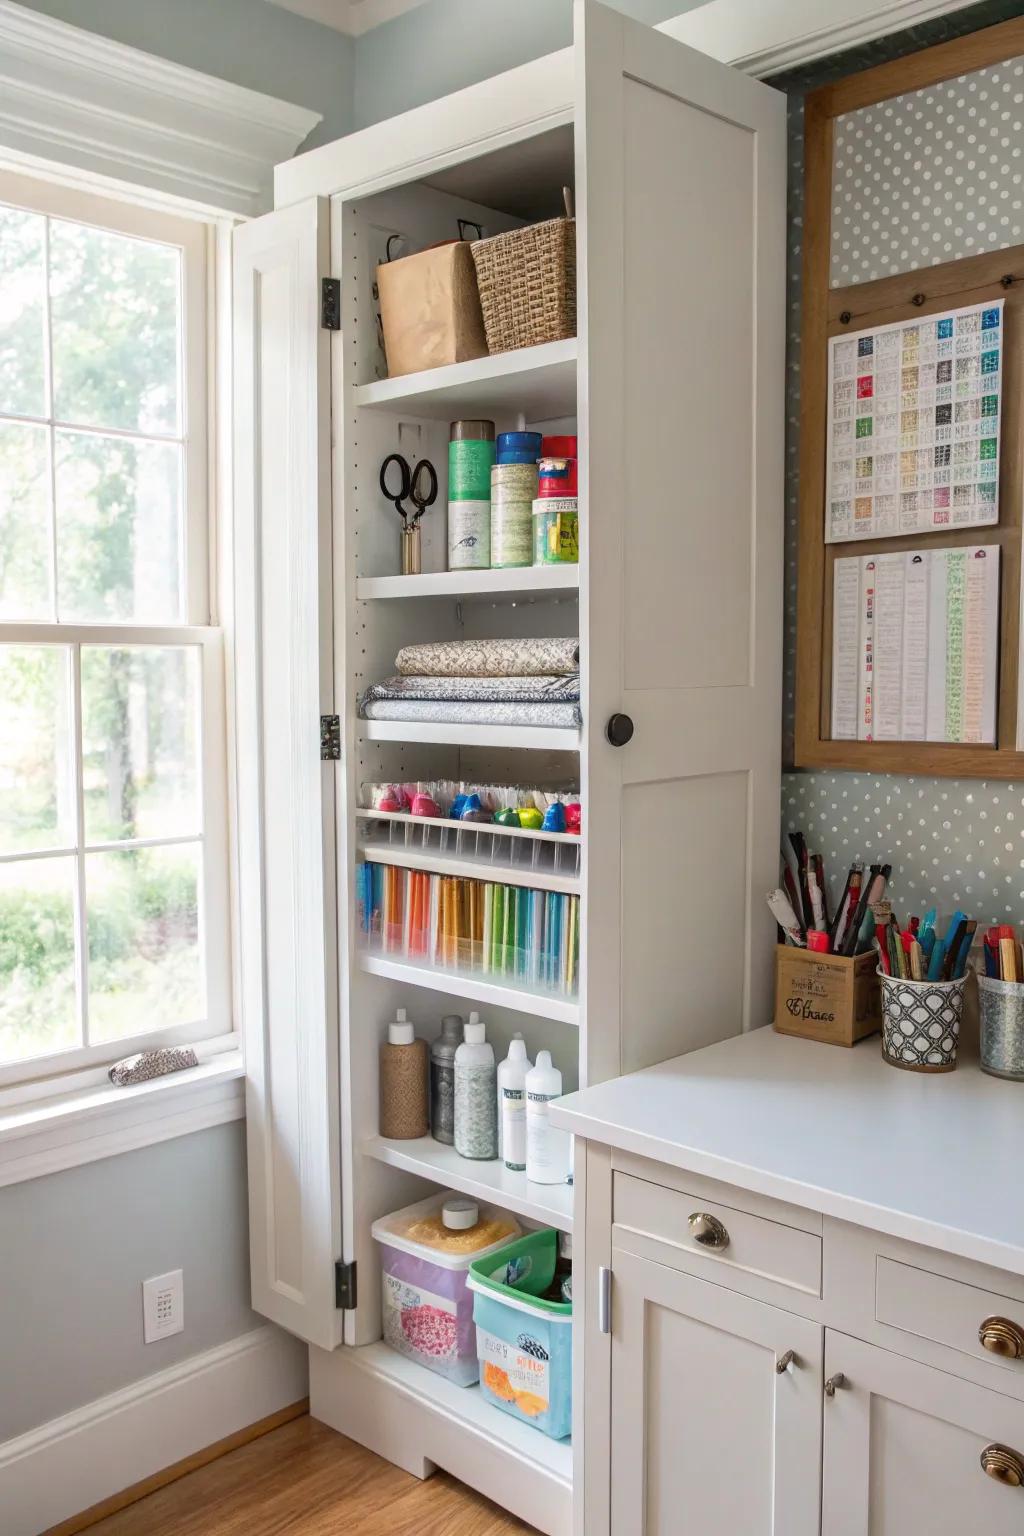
(784, 1362)
(834, 1382)
(708, 1230)
(1004, 1465)
(1001, 1337)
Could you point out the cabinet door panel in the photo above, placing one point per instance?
(903, 1443)
(283, 684)
(681, 286)
(706, 1434)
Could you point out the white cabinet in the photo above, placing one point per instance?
(698, 1292)
(674, 388)
(910, 1448)
(716, 1409)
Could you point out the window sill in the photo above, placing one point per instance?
(81, 1125)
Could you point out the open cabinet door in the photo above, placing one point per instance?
(681, 188)
(284, 681)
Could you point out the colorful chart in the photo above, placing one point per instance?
(913, 439)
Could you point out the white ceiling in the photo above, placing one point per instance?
(350, 16)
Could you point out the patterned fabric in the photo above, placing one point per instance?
(147, 1064)
(479, 690)
(451, 712)
(489, 658)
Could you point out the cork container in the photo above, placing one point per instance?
(404, 1093)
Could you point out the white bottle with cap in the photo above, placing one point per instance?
(476, 1094)
(512, 1104)
(547, 1147)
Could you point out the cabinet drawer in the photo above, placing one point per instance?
(748, 1244)
(952, 1313)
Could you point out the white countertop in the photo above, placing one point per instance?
(937, 1158)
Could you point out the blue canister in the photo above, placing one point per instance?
(518, 447)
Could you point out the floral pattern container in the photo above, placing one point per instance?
(427, 1307)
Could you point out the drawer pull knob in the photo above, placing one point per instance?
(784, 1362)
(1001, 1337)
(834, 1383)
(1004, 1465)
(708, 1230)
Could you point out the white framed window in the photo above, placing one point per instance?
(114, 905)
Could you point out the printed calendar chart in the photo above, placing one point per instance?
(913, 441)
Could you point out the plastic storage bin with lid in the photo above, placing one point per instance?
(426, 1251)
(523, 1313)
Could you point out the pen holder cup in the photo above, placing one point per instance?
(830, 998)
(1001, 1012)
(921, 1022)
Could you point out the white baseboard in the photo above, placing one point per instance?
(72, 1462)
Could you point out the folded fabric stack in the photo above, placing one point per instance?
(482, 682)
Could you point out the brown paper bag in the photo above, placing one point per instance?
(430, 309)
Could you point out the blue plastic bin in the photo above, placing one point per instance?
(524, 1343)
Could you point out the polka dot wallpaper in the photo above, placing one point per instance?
(951, 842)
(929, 177)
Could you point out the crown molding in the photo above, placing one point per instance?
(769, 36)
(73, 99)
(353, 17)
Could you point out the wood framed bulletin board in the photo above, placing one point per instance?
(830, 312)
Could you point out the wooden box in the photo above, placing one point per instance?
(826, 997)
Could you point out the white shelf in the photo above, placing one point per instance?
(538, 381)
(491, 828)
(471, 1410)
(526, 581)
(478, 868)
(478, 989)
(492, 1181)
(536, 738)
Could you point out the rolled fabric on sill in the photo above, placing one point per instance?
(149, 1064)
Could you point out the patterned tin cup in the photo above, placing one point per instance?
(1001, 1007)
(921, 1022)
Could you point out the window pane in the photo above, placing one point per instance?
(22, 313)
(24, 522)
(36, 774)
(38, 1010)
(145, 960)
(140, 741)
(116, 320)
(119, 529)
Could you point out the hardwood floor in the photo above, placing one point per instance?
(305, 1480)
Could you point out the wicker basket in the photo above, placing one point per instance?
(527, 282)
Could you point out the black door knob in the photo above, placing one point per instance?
(619, 730)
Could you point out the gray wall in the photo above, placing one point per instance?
(448, 44)
(245, 41)
(75, 1248)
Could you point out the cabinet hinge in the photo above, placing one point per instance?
(604, 1300)
(345, 1285)
(330, 738)
(330, 303)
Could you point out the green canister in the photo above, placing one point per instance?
(470, 460)
(513, 491)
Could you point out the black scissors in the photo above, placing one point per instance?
(411, 487)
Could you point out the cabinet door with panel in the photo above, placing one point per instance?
(716, 1409)
(909, 1448)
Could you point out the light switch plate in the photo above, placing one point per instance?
(163, 1306)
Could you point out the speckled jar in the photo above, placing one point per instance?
(1001, 1007)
